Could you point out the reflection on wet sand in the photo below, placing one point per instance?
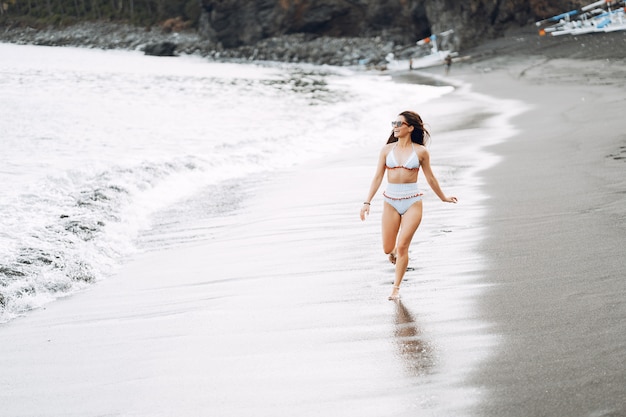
(416, 353)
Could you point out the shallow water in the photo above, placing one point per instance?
(100, 147)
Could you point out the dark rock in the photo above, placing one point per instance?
(233, 23)
(160, 49)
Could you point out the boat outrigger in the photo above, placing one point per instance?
(600, 16)
(436, 56)
(434, 50)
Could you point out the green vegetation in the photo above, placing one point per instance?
(65, 12)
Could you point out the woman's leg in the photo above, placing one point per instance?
(390, 224)
(410, 222)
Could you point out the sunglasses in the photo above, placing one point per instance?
(397, 123)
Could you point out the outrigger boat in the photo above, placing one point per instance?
(600, 16)
(433, 58)
(436, 56)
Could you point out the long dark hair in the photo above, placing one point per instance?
(419, 134)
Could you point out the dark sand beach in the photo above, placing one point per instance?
(283, 311)
(556, 230)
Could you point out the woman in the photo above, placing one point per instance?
(402, 157)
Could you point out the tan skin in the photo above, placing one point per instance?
(398, 230)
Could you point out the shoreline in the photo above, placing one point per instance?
(306, 313)
(554, 274)
(555, 237)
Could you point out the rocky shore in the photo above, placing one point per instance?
(373, 52)
(104, 36)
(304, 48)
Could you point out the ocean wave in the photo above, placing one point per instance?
(75, 229)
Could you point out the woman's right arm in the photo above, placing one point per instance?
(376, 181)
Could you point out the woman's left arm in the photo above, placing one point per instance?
(430, 177)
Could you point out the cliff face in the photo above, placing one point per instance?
(244, 22)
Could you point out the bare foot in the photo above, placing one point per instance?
(395, 294)
(392, 257)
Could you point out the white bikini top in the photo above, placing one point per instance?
(412, 163)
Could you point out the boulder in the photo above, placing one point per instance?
(160, 49)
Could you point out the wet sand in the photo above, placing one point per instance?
(283, 310)
(555, 236)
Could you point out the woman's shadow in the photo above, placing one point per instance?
(416, 353)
